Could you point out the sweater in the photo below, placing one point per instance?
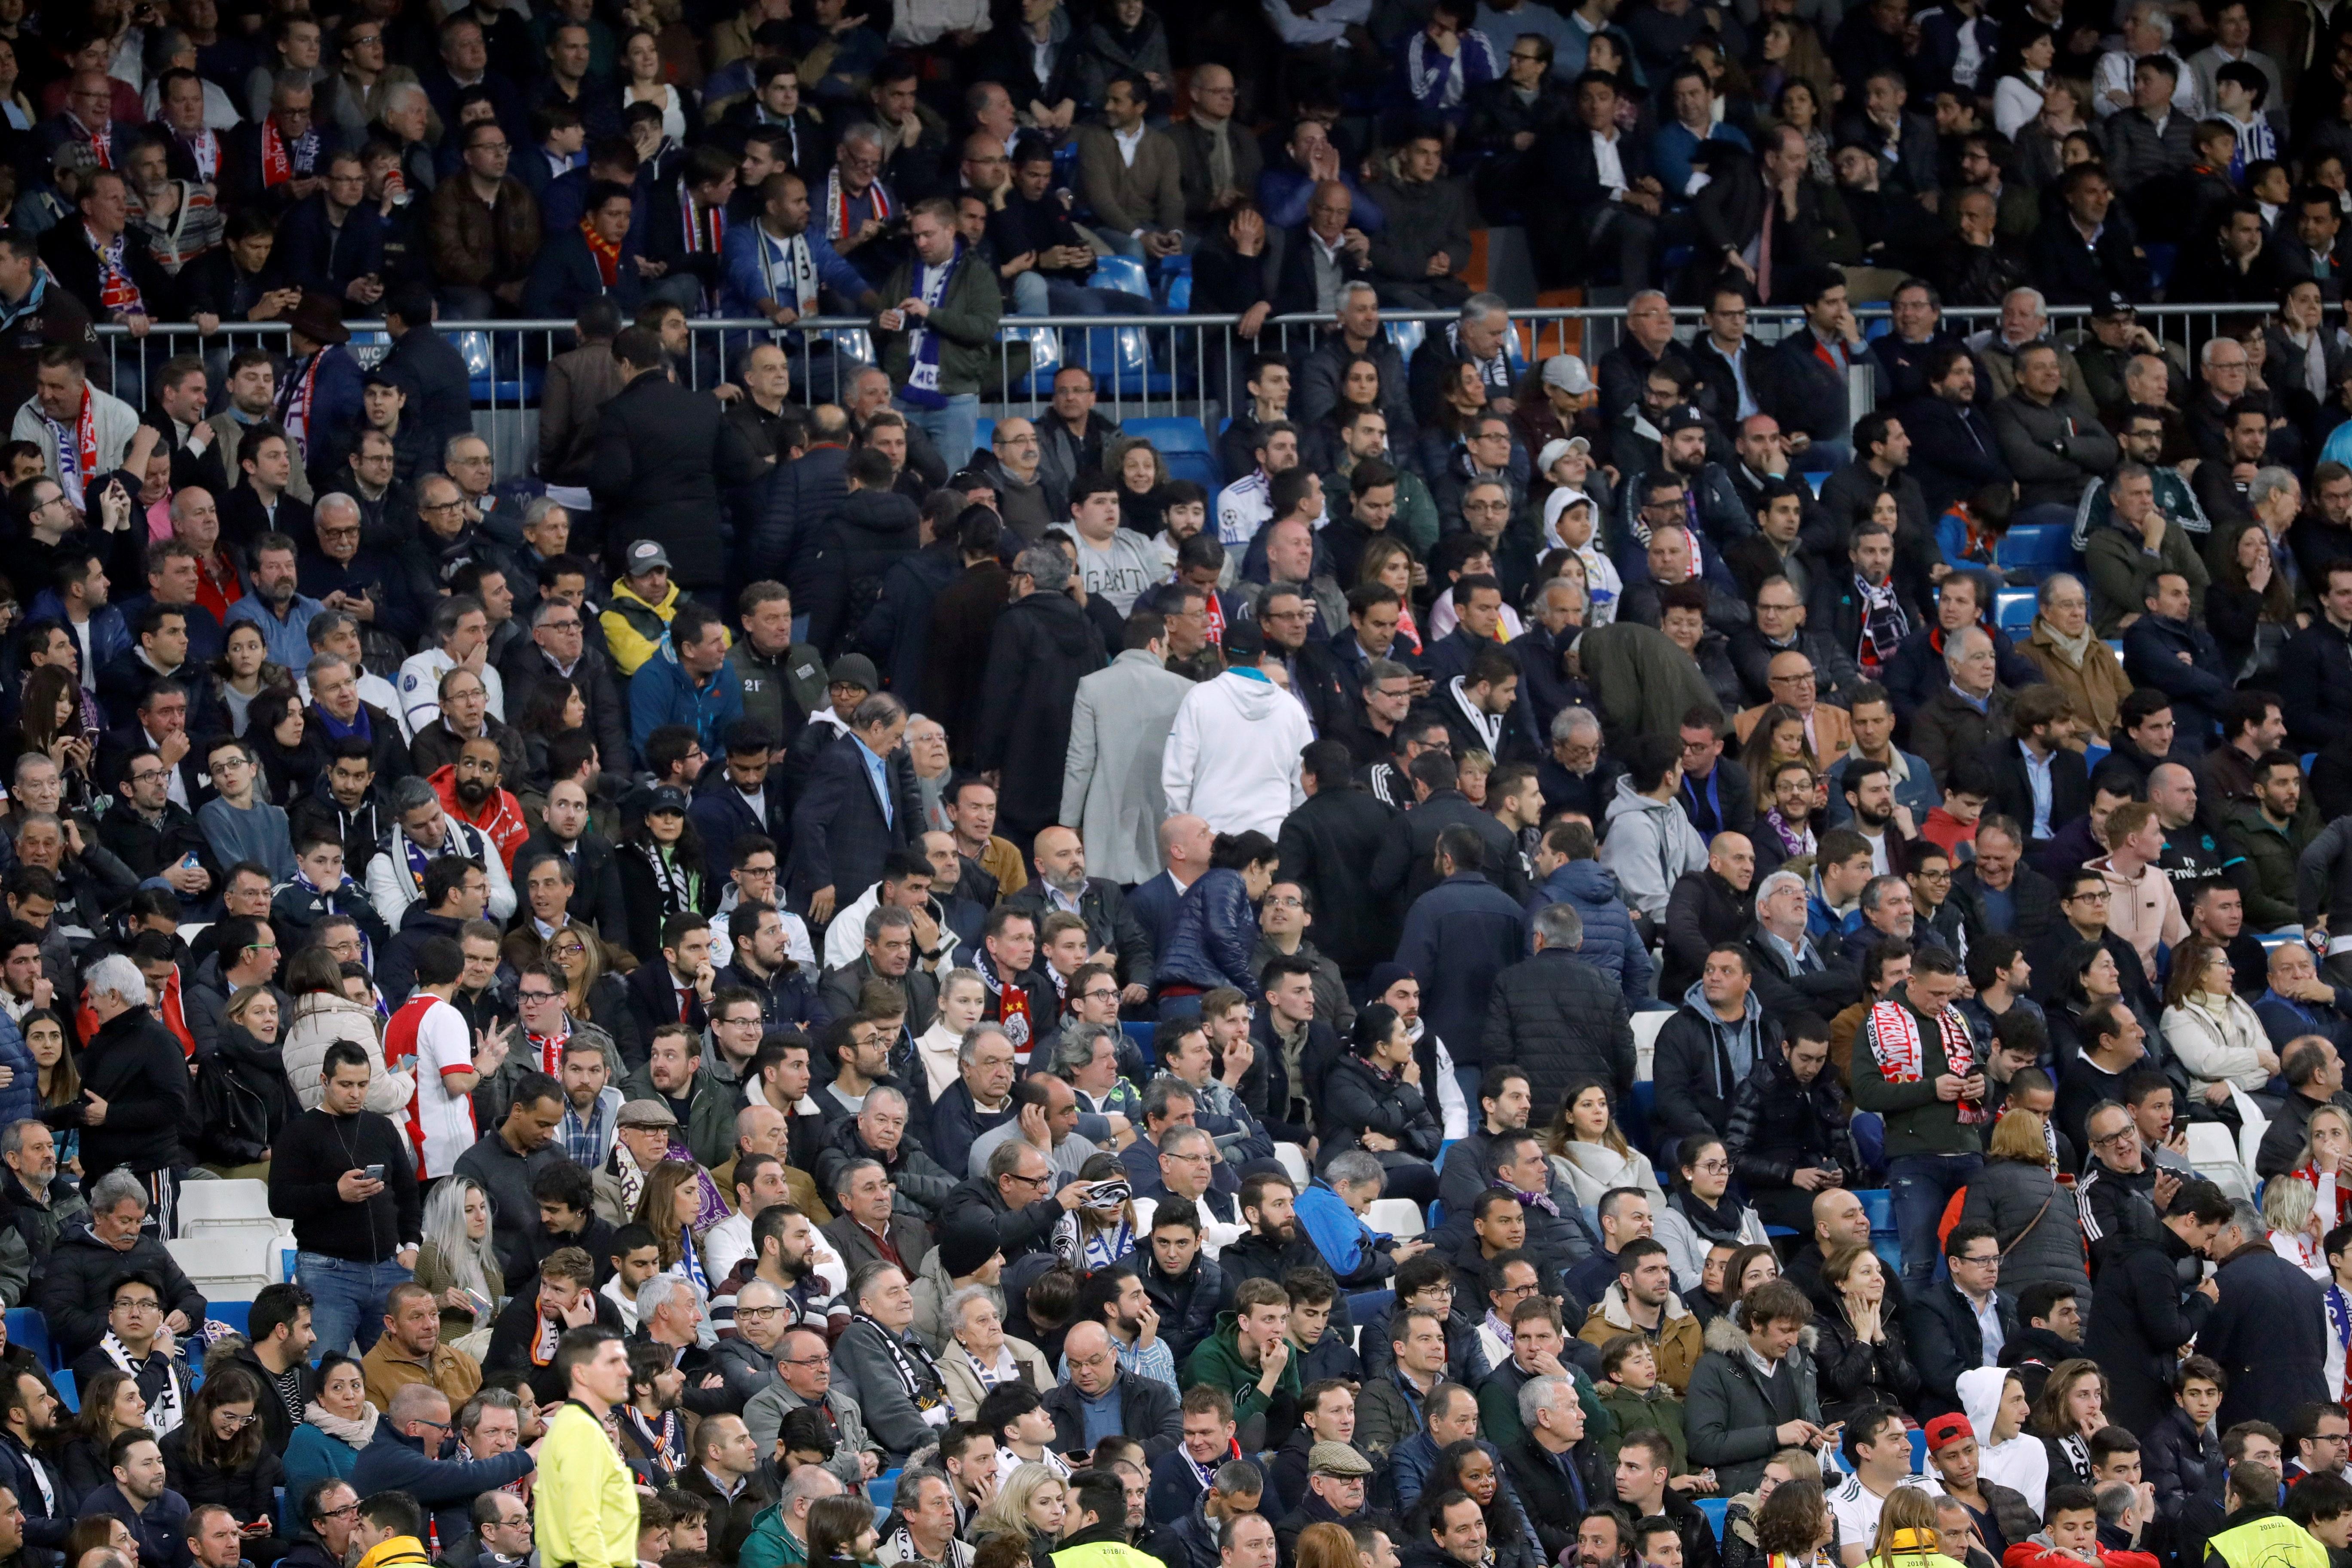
(313, 1154)
(257, 833)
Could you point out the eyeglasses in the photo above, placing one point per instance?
(2099, 897)
(757, 1315)
(535, 995)
(1101, 993)
(1036, 1182)
(137, 1304)
(349, 1510)
(236, 1423)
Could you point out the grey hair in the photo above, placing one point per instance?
(33, 760)
(863, 131)
(2041, 305)
(449, 450)
(1047, 569)
(118, 1186)
(115, 975)
(1873, 892)
(807, 1485)
(1379, 669)
(469, 1415)
(951, 1311)
(1077, 1048)
(2270, 481)
(887, 917)
(1161, 1090)
(401, 93)
(450, 611)
(12, 1137)
(1238, 1477)
(1356, 1165)
(2049, 588)
(2248, 1221)
(1358, 288)
(282, 82)
(1478, 307)
(546, 606)
(1560, 926)
(538, 509)
(912, 1481)
(2155, 18)
(1539, 1394)
(1773, 884)
(755, 1283)
(1636, 298)
(411, 1400)
(885, 1093)
(1572, 721)
(880, 708)
(335, 501)
(1964, 642)
(2115, 1500)
(655, 1294)
(2205, 354)
(411, 793)
(968, 1048)
(847, 1174)
(1176, 1136)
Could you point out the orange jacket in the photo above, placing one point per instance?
(500, 819)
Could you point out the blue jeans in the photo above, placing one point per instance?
(1920, 1185)
(954, 430)
(346, 1299)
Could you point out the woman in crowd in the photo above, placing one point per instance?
(217, 1456)
(554, 706)
(1216, 931)
(336, 1425)
(281, 736)
(323, 1014)
(2326, 1146)
(661, 861)
(52, 723)
(647, 82)
(671, 1207)
(1389, 562)
(1088, 1238)
(1700, 1213)
(1907, 1532)
(1142, 475)
(1800, 105)
(2209, 1027)
(457, 1261)
(244, 671)
(2017, 97)
(1801, 1527)
(110, 1404)
(983, 1354)
(1592, 1154)
(1859, 1352)
(1467, 1465)
(2016, 1192)
(2295, 1235)
(1030, 1504)
(2071, 1409)
(59, 1085)
(244, 1104)
(592, 993)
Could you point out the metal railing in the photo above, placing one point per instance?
(1166, 365)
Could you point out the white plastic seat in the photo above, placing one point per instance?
(1294, 1161)
(1399, 1217)
(227, 1252)
(2214, 1152)
(207, 1205)
(1646, 1028)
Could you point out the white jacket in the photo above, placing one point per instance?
(1650, 844)
(391, 890)
(1231, 758)
(319, 1020)
(2216, 1049)
(845, 939)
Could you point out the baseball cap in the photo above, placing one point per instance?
(1557, 447)
(668, 797)
(1945, 1429)
(1685, 417)
(2114, 304)
(644, 555)
(1245, 638)
(1567, 373)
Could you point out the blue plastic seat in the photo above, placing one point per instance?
(983, 435)
(1815, 480)
(235, 1314)
(1141, 1033)
(1878, 1202)
(2039, 548)
(2308, 758)
(1169, 436)
(1715, 1508)
(1918, 1452)
(2338, 446)
(1180, 292)
(883, 1491)
(63, 1381)
(29, 1329)
(2014, 610)
(1197, 466)
(1407, 336)
(1124, 273)
(1044, 358)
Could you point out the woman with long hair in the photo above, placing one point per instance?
(1794, 1527)
(2290, 1209)
(553, 706)
(591, 992)
(457, 1261)
(1391, 562)
(1142, 476)
(1701, 1212)
(1907, 1532)
(2034, 1220)
(243, 671)
(218, 1454)
(336, 1425)
(1798, 106)
(324, 1014)
(1742, 1513)
(1591, 1153)
(671, 1207)
(102, 1532)
(1086, 1237)
(2249, 607)
(59, 1085)
(2327, 1153)
(647, 82)
(2088, 978)
(1359, 389)
(661, 863)
(2071, 1409)
(2209, 1027)
(245, 1104)
(1466, 1464)
(111, 1406)
(1859, 1352)
(1779, 737)
(51, 722)
(1461, 402)
(292, 752)
(1216, 931)
(1030, 1503)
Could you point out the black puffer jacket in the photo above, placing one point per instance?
(2185, 1462)
(1853, 1372)
(785, 542)
(1362, 1099)
(74, 1292)
(243, 1101)
(1561, 1019)
(869, 530)
(1778, 1126)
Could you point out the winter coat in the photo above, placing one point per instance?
(2267, 1333)
(1146, 1410)
(1854, 1372)
(1549, 1501)
(1778, 1126)
(1651, 842)
(1211, 940)
(74, 1293)
(318, 1020)
(1360, 1097)
(664, 453)
(964, 323)
(1702, 911)
(964, 1384)
(1947, 1340)
(1232, 756)
(786, 542)
(1610, 944)
(136, 1066)
(2140, 1320)
(1731, 1414)
(863, 1367)
(242, 1099)
(1590, 1169)
(1043, 645)
(2034, 1220)
(2220, 1048)
(1459, 937)
(1407, 864)
(1950, 727)
(1111, 786)
(1696, 1068)
(1185, 1319)
(1678, 1345)
(857, 542)
(1560, 1018)
(2185, 1462)
(248, 1493)
(1329, 845)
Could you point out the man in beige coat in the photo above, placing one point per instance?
(1111, 791)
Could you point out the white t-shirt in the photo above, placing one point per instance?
(1857, 1507)
(420, 689)
(440, 1124)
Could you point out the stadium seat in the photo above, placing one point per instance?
(1647, 1027)
(983, 435)
(2014, 610)
(63, 1381)
(1715, 1508)
(29, 1329)
(2214, 1152)
(1407, 336)
(1878, 1202)
(1398, 1217)
(1169, 435)
(2338, 448)
(210, 1205)
(882, 1491)
(1293, 1159)
(235, 1314)
(1124, 273)
(1197, 466)
(2038, 548)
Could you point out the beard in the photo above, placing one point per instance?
(473, 792)
(1280, 1232)
(1877, 819)
(793, 1270)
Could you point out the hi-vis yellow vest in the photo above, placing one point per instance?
(2272, 1542)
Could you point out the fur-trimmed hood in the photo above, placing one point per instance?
(1612, 1310)
(1726, 1335)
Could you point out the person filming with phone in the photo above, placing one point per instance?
(347, 1178)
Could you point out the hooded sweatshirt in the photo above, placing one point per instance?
(1650, 844)
(2021, 1464)
(1232, 754)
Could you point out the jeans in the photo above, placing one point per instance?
(1920, 1185)
(346, 1298)
(954, 430)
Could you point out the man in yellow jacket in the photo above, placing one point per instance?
(584, 1506)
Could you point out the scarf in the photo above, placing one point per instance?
(666, 1444)
(337, 730)
(2319, 1187)
(2339, 1318)
(1086, 1251)
(799, 267)
(919, 1374)
(294, 403)
(1003, 1369)
(102, 142)
(205, 148)
(1884, 624)
(1794, 841)
(1011, 1005)
(704, 228)
(549, 1049)
(77, 450)
(1722, 1221)
(282, 162)
(2072, 650)
(606, 254)
(930, 286)
(1895, 1044)
(1531, 1199)
(116, 292)
(837, 202)
(681, 886)
(546, 1330)
(359, 1434)
(167, 1409)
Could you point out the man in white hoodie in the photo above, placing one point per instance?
(1232, 756)
(1651, 842)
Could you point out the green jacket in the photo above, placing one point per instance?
(966, 322)
(1917, 1122)
(2121, 569)
(769, 1545)
(1660, 1410)
(2271, 853)
(1217, 1361)
(792, 682)
(1499, 1409)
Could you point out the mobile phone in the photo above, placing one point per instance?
(188, 862)
(481, 1304)
(374, 1173)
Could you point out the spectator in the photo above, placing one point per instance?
(1931, 1094)
(2137, 1312)
(1712, 1044)
(319, 1178)
(663, 453)
(77, 1293)
(890, 1374)
(404, 1458)
(1736, 1423)
(2263, 1330)
(409, 1351)
(140, 1496)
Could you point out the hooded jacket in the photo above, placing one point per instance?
(2022, 1463)
(500, 820)
(1233, 754)
(1701, 1061)
(1731, 1411)
(1610, 944)
(1777, 1125)
(1217, 1361)
(1651, 844)
(634, 627)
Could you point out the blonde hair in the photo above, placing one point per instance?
(1800, 1463)
(1906, 1527)
(1008, 1512)
(2019, 1135)
(2309, 1158)
(2287, 1203)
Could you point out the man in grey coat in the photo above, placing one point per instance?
(1417, 260)
(804, 1377)
(1111, 791)
(885, 1369)
(2052, 441)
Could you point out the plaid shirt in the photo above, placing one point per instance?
(587, 1142)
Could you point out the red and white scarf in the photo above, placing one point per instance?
(77, 450)
(116, 292)
(706, 227)
(836, 205)
(205, 148)
(607, 254)
(294, 405)
(277, 161)
(102, 142)
(1901, 1055)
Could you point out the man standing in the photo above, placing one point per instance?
(1233, 752)
(1122, 713)
(583, 1502)
(664, 456)
(1916, 1063)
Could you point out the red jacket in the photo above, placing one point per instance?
(2034, 1554)
(500, 819)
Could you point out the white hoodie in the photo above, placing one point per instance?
(1231, 758)
(2021, 1464)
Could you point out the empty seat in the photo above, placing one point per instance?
(2214, 1152)
(1398, 1217)
(205, 1206)
(1124, 273)
(1647, 1027)
(1168, 435)
(1294, 1161)
(29, 1329)
(1879, 1205)
(2014, 610)
(63, 1381)
(1407, 336)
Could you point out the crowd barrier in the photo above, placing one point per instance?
(1145, 365)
